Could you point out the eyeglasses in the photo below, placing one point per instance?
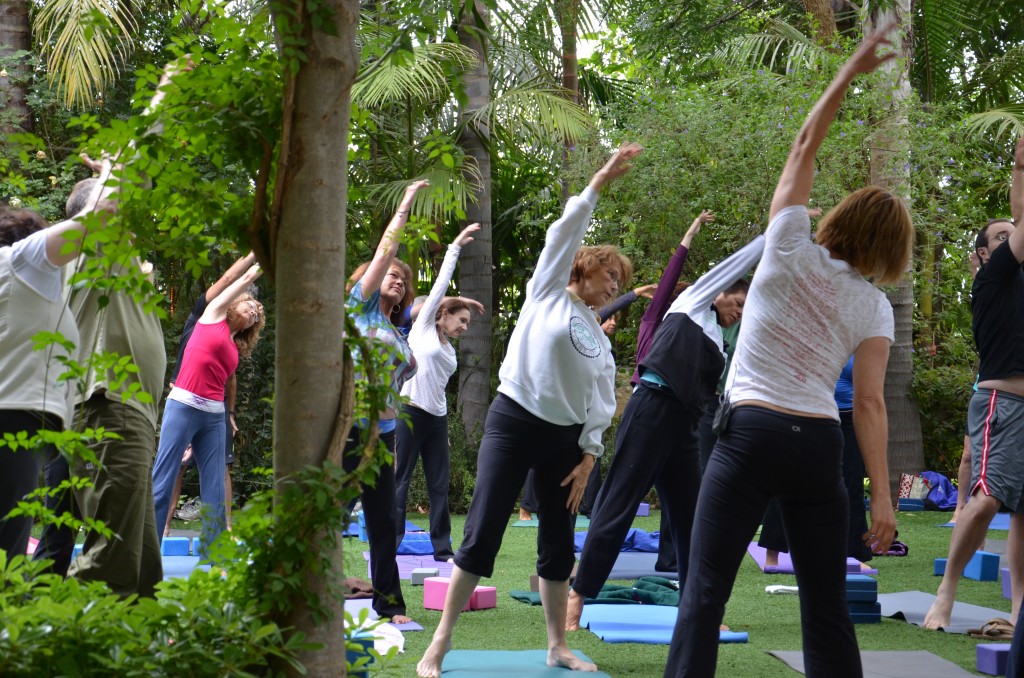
(1001, 237)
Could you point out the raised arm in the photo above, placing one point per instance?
(230, 276)
(429, 307)
(217, 309)
(60, 234)
(794, 187)
(1017, 184)
(705, 217)
(387, 248)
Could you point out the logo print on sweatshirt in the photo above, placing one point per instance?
(583, 338)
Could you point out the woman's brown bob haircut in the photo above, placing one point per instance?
(410, 290)
(453, 305)
(590, 258)
(872, 231)
(247, 338)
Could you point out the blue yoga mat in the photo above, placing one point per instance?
(1000, 521)
(650, 624)
(518, 663)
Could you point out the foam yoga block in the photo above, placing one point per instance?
(991, 658)
(421, 573)
(364, 641)
(911, 504)
(484, 598)
(940, 567)
(643, 510)
(174, 546)
(983, 566)
(436, 588)
(1004, 579)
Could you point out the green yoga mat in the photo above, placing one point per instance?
(521, 663)
(581, 521)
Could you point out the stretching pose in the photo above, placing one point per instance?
(377, 300)
(994, 420)
(554, 401)
(656, 443)
(424, 429)
(810, 308)
(194, 414)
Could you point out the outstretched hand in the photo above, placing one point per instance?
(618, 164)
(466, 236)
(867, 58)
(646, 291)
(410, 194)
(883, 528)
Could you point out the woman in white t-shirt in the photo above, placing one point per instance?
(424, 428)
(809, 308)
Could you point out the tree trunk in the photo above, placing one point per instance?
(889, 169)
(568, 15)
(824, 22)
(15, 36)
(310, 272)
(476, 273)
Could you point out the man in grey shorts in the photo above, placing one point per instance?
(995, 417)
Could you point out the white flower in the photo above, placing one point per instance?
(41, 155)
(16, 202)
(3, 72)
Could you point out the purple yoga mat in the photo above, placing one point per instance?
(406, 564)
(354, 605)
(785, 565)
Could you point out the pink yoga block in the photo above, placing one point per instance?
(484, 598)
(992, 658)
(434, 591)
(643, 510)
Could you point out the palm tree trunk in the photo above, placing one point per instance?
(890, 169)
(15, 36)
(568, 15)
(309, 266)
(824, 22)
(476, 272)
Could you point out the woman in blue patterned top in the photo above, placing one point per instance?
(382, 291)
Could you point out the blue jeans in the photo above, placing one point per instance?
(205, 431)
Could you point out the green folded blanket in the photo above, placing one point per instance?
(646, 590)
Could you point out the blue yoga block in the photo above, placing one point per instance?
(865, 608)
(1004, 579)
(861, 596)
(352, 655)
(983, 566)
(195, 546)
(861, 582)
(940, 567)
(643, 510)
(911, 505)
(865, 617)
(991, 658)
(174, 546)
(77, 551)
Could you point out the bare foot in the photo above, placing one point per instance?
(865, 568)
(400, 619)
(562, 656)
(939, 614)
(525, 515)
(956, 514)
(723, 627)
(430, 664)
(573, 611)
(771, 558)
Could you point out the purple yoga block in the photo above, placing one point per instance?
(992, 658)
(643, 510)
(983, 566)
(1004, 578)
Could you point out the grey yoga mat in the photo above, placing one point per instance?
(912, 606)
(891, 664)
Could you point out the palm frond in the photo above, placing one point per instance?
(938, 27)
(536, 107)
(422, 77)
(83, 42)
(782, 45)
(1005, 121)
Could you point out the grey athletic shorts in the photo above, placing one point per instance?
(995, 422)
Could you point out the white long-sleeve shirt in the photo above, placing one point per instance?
(559, 365)
(436, 361)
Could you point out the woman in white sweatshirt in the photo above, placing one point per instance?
(423, 430)
(554, 401)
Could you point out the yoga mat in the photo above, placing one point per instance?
(517, 663)
(1000, 521)
(581, 521)
(648, 624)
(635, 540)
(912, 606)
(406, 564)
(785, 565)
(354, 605)
(181, 566)
(891, 664)
(635, 564)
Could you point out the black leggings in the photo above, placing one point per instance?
(424, 435)
(515, 441)
(19, 474)
(798, 460)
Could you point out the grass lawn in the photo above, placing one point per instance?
(772, 621)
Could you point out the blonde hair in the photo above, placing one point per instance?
(871, 230)
(247, 339)
(588, 259)
(410, 290)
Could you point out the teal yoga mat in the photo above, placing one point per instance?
(520, 664)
